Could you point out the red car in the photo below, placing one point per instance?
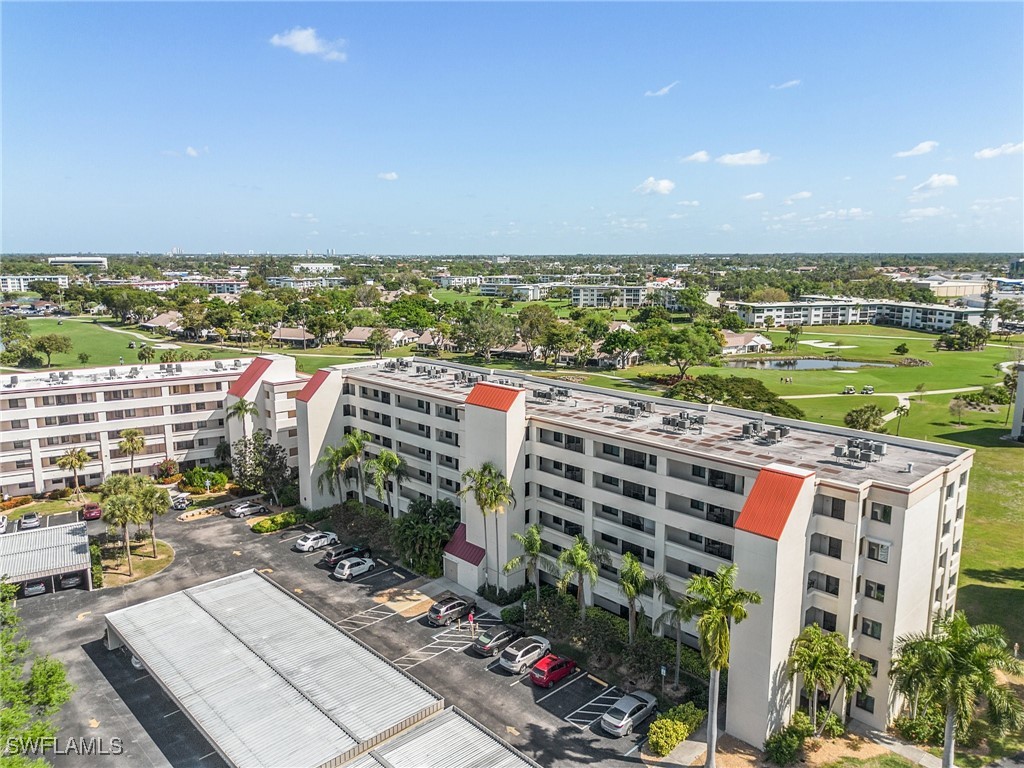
(551, 669)
(92, 511)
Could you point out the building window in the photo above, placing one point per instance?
(871, 628)
(874, 590)
(865, 702)
(872, 662)
(698, 471)
(950, 490)
(963, 480)
(878, 551)
(881, 512)
(610, 450)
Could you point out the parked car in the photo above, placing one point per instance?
(551, 669)
(446, 611)
(628, 712)
(849, 389)
(3, 523)
(495, 639)
(524, 652)
(246, 508)
(310, 542)
(352, 567)
(182, 502)
(867, 390)
(34, 588)
(336, 554)
(92, 511)
(70, 580)
(29, 520)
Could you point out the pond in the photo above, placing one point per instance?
(803, 365)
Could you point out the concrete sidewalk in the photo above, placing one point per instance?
(914, 754)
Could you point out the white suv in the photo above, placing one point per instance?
(524, 653)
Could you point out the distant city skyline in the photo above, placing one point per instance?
(518, 128)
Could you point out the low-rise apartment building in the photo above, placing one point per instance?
(78, 261)
(180, 408)
(857, 532)
(822, 310)
(20, 283)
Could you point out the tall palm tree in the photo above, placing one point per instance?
(908, 675)
(854, 675)
(717, 604)
(120, 510)
(117, 484)
(132, 442)
(242, 410)
(153, 502)
(492, 493)
(958, 664)
(901, 411)
(533, 557)
(675, 615)
(74, 459)
(387, 466)
(633, 582)
(817, 656)
(343, 462)
(582, 562)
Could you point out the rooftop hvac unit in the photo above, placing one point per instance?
(839, 451)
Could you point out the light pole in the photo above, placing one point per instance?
(524, 614)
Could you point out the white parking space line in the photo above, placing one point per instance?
(592, 711)
(370, 574)
(491, 667)
(172, 713)
(291, 538)
(577, 675)
(453, 639)
(364, 619)
(519, 680)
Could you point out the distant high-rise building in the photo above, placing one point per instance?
(1016, 269)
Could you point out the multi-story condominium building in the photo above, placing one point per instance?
(153, 286)
(19, 283)
(821, 310)
(456, 281)
(297, 282)
(315, 267)
(180, 408)
(610, 295)
(78, 261)
(855, 531)
(219, 285)
(517, 291)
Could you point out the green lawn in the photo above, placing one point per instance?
(831, 410)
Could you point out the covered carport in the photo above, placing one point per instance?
(46, 554)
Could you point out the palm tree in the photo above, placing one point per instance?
(146, 354)
(533, 557)
(153, 502)
(387, 466)
(717, 604)
(132, 442)
(492, 493)
(907, 672)
(117, 484)
(342, 462)
(633, 582)
(675, 615)
(854, 675)
(901, 411)
(582, 561)
(242, 410)
(74, 459)
(817, 657)
(122, 509)
(958, 665)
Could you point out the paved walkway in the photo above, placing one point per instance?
(908, 751)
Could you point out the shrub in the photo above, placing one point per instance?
(801, 724)
(832, 727)
(513, 615)
(783, 746)
(277, 522)
(502, 596)
(17, 501)
(96, 558)
(289, 495)
(194, 480)
(926, 728)
(664, 735)
(167, 469)
(689, 714)
(97, 576)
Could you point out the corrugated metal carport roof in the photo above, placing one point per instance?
(42, 552)
(265, 678)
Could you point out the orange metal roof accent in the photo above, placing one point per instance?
(252, 374)
(493, 396)
(767, 508)
(307, 392)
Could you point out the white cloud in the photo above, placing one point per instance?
(918, 214)
(191, 151)
(689, 203)
(754, 196)
(725, 228)
(843, 214)
(753, 157)
(389, 176)
(1005, 149)
(798, 196)
(305, 41)
(921, 149)
(662, 91)
(932, 186)
(308, 218)
(901, 177)
(787, 84)
(697, 157)
(652, 186)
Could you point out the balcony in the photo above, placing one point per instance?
(449, 438)
(557, 468)
(558, 497)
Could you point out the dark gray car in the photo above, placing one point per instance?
(494, 640)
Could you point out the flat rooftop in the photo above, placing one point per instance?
(41, 552)
(808, 445)
(265, 678)
(121, 373)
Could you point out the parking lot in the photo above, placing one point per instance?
(385, 608)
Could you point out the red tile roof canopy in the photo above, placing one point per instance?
(462, 549)
(493, 396)
(252, 374)
(307, 392)
(772, 498)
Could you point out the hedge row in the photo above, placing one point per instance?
(17, 501)
(288, 519)
(673, 727)
(96, 557)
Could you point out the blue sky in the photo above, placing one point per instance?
(512, 128)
